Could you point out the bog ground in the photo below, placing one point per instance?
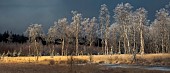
(89, 68)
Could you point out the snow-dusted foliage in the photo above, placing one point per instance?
(93, 27)
(122, 13)
(140, 15)
(75, 24)
(61, 27)
(58, 30)
(84, 27)
(90, 28)
(104, 19)
(52, 34)
(33, 31)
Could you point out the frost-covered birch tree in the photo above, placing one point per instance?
(122, 17)
(61, 28)
(113, 38)
(84, 33)
(92, 28)
(34, 31)
(104, 19)
(89, 30)
(51, 37)
(58, 31)
(77, 18)
(141, 15)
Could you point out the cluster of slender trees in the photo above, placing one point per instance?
(131, 32)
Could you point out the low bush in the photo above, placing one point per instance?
(101, 62)
(62, 62)
(77, 61)
(156, 60)
(51, 62)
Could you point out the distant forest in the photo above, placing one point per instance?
(12, 38)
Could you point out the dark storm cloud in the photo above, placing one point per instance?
(17, 15)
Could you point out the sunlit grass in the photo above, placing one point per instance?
(161, 59)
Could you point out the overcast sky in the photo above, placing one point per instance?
(17, 15)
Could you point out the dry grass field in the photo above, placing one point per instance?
(147, 59)
(61, 64)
